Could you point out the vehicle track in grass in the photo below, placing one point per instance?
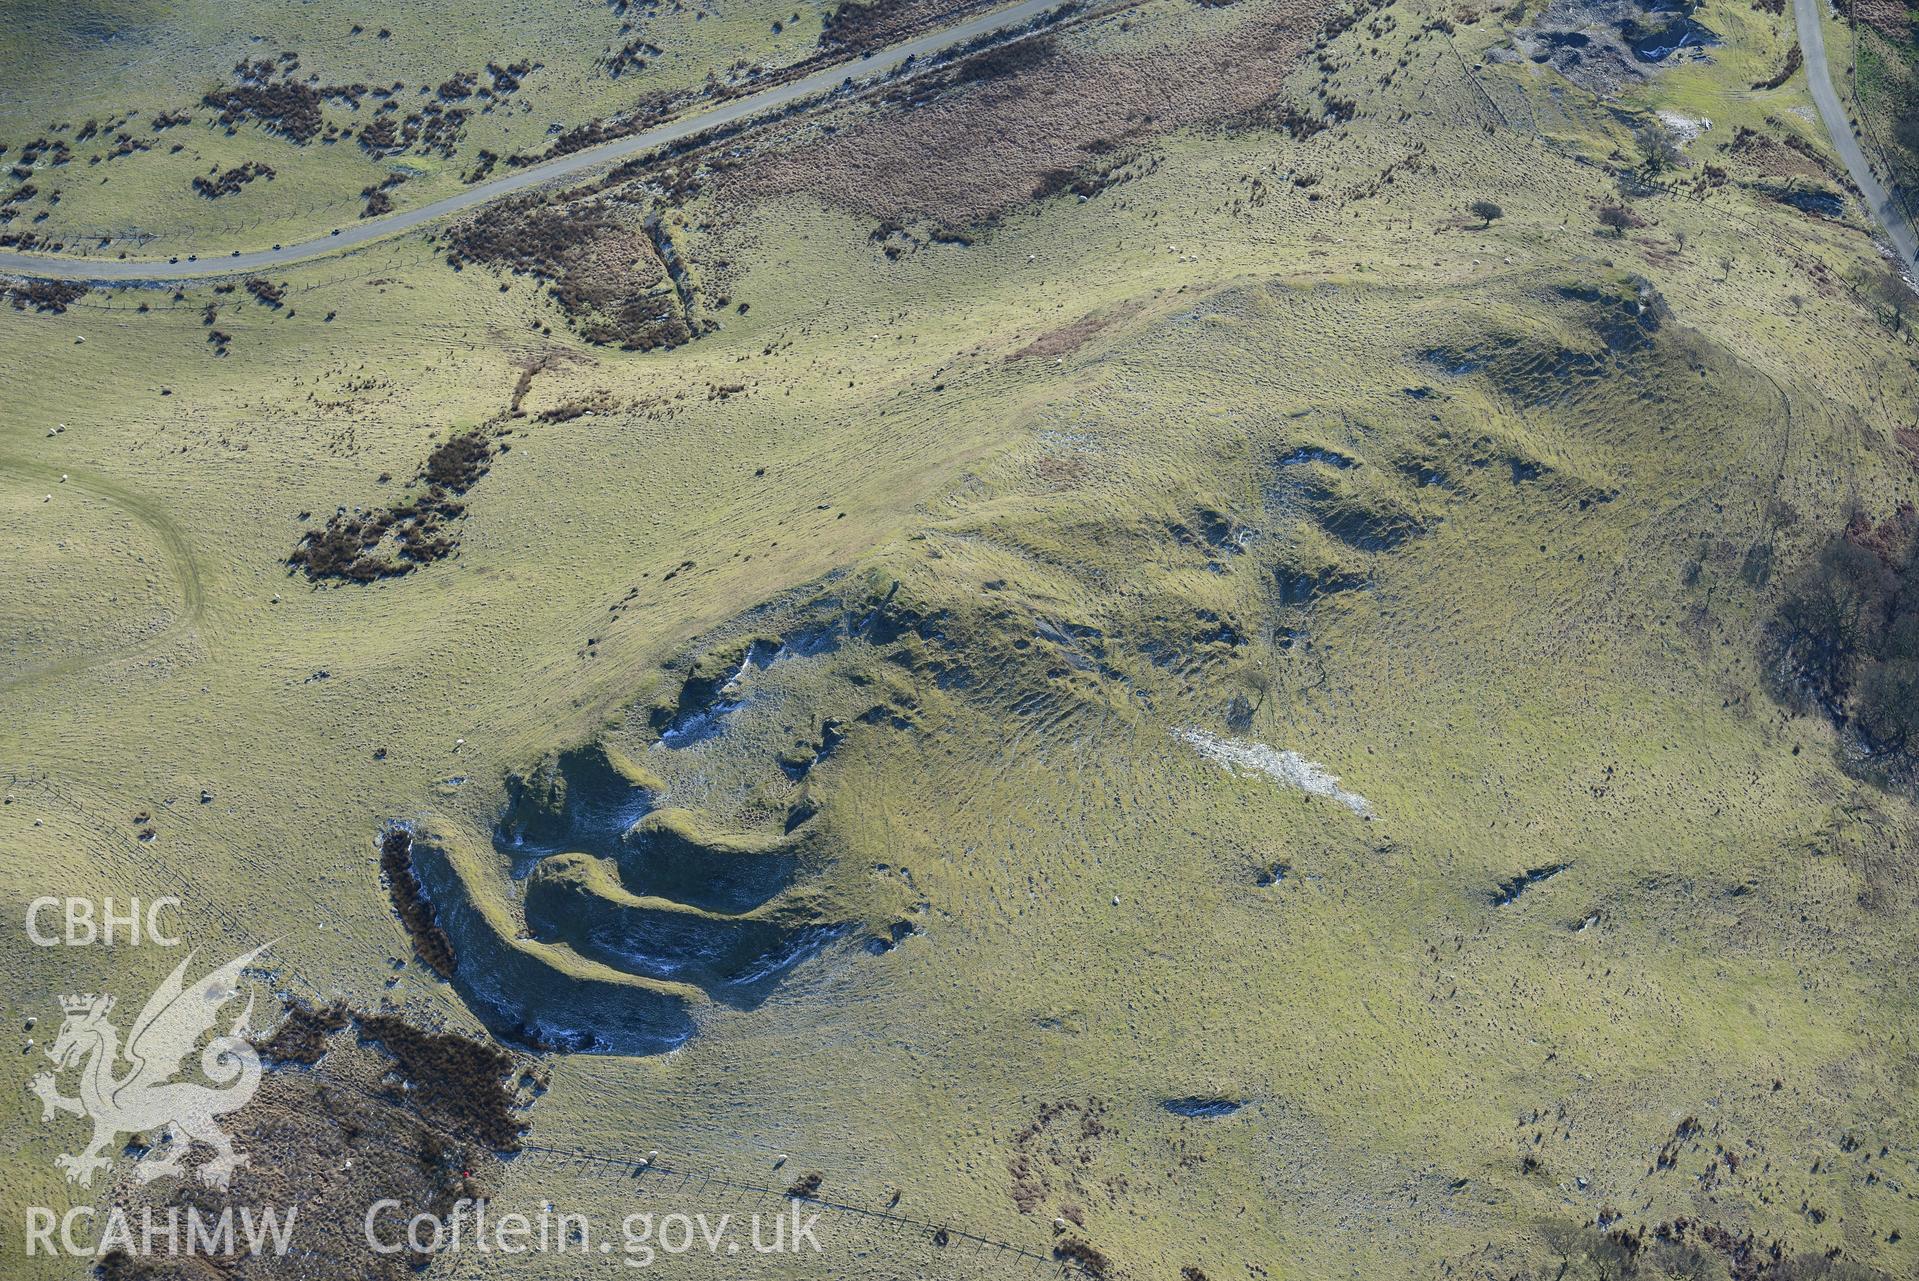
(180, 558)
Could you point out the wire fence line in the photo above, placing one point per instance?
(1900, 195)
(644, 1175)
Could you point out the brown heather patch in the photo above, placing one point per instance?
(994, 132)
(1890, 17)
(615, 290)
(354, 1107)
(854, 27)
(301, 1039)
(410, 532)
(225, 184)
(1773, 158)
(602, 265)
(41, 295)
(461, 1082)
(430, 942)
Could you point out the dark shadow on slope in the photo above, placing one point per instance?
(738, 959)
(577, 800)
(531, 998)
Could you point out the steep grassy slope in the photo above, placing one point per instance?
(963, 586)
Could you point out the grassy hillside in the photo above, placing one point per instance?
(948, 594)
(1885, 87)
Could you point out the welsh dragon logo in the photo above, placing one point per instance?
(133, 1090)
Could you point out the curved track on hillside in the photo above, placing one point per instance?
(180, 560)
(227, 263)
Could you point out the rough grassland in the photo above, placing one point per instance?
(111, 62)
(1537, 478)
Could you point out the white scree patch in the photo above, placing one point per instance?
(1290, 768)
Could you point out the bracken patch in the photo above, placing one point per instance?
(982, 137)
(612, 278)
(410, 902)
(364, 546)
(42, 295)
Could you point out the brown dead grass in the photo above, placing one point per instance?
(1068, 339)
(989, 141)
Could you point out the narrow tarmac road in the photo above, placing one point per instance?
(604, 156)
(1879, 200)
